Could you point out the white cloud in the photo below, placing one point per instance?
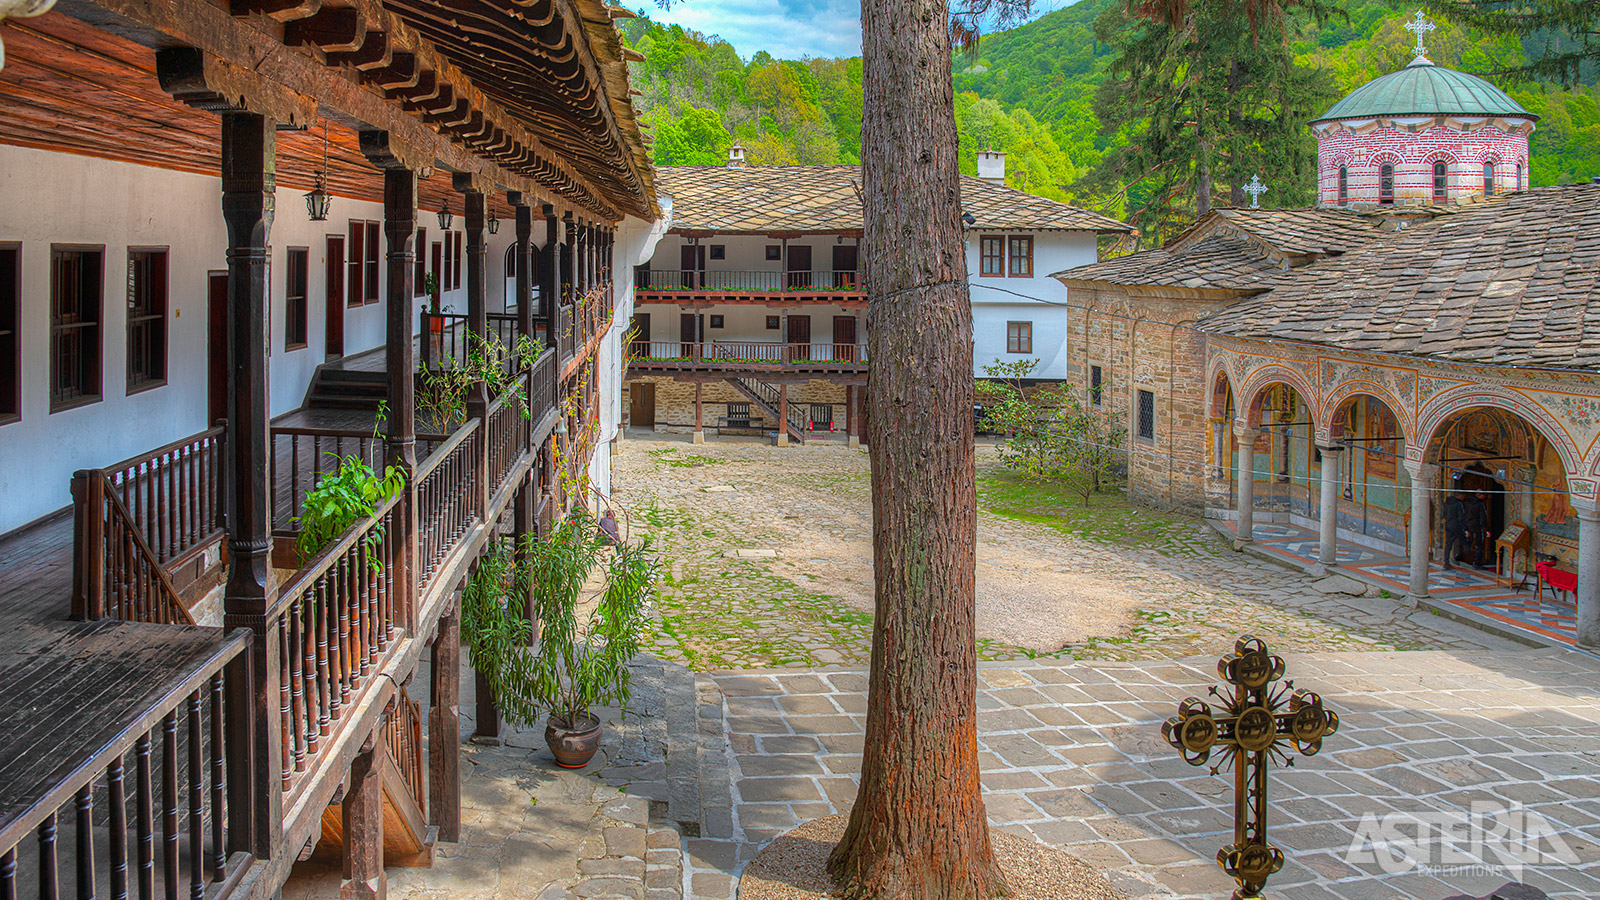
(787, 29)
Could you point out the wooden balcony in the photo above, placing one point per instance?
(733, 358)
(232, 745)
(772, 288)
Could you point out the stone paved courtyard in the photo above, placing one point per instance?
(1172, 586)
(1072, 757)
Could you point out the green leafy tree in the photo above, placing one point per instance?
(1562, 36)
(1050, 434)
(1206, 103)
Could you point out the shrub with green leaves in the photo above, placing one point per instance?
(340, 500)
(578, 664)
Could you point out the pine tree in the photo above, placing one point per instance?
(1207, 94)
(1561, 37)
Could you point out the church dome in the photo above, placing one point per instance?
(1424, 89)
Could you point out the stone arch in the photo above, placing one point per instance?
(1392, 157)
(1248, 400)
(1221, 381)
(1349, 390)
(1441, 409)
(1441, 154)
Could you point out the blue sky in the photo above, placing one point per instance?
(787, 29)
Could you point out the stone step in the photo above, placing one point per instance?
(716, 782)
(683, 768)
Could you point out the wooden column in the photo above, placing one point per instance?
(248, 164)
(361, 813)
(478, 398)
(569, 276)
(699, 413)
(549, 273)
(850, 416)
(524, 256)
(487, 726)
(783, 414)
(444, 728)
(400, 226)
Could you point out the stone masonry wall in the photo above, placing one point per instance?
(675, 401)
(1144, 343)
(1413, 153)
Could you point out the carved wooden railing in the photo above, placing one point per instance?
(135, 522)
(402, 737)
(445, 337)
(301, 456)
(449, 497)
(181, 776)
(508, 433)
(332, 622)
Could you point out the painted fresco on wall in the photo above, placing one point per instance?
(1383, 444)
(1482, 433)
(1341, 425)
(1552, 509)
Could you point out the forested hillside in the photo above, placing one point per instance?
(1030, 92)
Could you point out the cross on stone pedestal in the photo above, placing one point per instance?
(1259, 717)
(1420, 26)
(1255, 189)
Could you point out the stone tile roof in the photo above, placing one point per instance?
(1234, 249)
(1514, 281)
(762, 199)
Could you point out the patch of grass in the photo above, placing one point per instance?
(1107, 518)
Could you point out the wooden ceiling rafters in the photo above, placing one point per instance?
(542, 124)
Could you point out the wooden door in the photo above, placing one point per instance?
(333, 297)
(799, 266)
(845, 261)
(217, 353)
(844, 338)
(642, 404)
(437, 255)
(689, 334)
(692, 260)
(799, 337)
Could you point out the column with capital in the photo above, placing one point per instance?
(1328, 546)
(1588, 571)
(1246, 442)
(1422, 477)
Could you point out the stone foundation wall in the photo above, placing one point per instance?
(1146, 344)
(675, 402)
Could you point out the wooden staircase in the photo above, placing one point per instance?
(408, 839)
(336, 387)
(766, 397)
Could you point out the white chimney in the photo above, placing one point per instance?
(736, 157)
(992, 166)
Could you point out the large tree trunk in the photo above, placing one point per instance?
(918, 830)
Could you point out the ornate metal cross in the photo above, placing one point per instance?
(1255, 189)
(1420, 26)
(1259, 717)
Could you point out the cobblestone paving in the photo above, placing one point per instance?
(533, 831)
(1182, 590)
(1072, 757)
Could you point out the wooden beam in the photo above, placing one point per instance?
(198, 23)
(207, 82)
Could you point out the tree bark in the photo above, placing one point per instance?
(918, 830)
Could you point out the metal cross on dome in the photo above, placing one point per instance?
(1247, 732)
(1255, 189)
(1420, 26)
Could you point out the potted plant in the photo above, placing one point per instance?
(581, 660)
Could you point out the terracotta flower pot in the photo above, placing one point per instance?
(573, 746)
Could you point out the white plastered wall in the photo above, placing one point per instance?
(51, 198)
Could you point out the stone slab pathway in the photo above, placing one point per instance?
(1072, 757)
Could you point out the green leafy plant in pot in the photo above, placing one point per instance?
(580, 661)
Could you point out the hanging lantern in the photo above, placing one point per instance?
(318, 201)
(494, 224)
(444, 216)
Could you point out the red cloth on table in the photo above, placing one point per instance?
(1556, 578)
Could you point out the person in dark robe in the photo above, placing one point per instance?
(608, 529)
(1455, 528)
(1477, 527)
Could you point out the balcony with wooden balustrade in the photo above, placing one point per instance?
(767, 358)
(769, 287)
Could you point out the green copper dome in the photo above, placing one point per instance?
(1424, 89)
